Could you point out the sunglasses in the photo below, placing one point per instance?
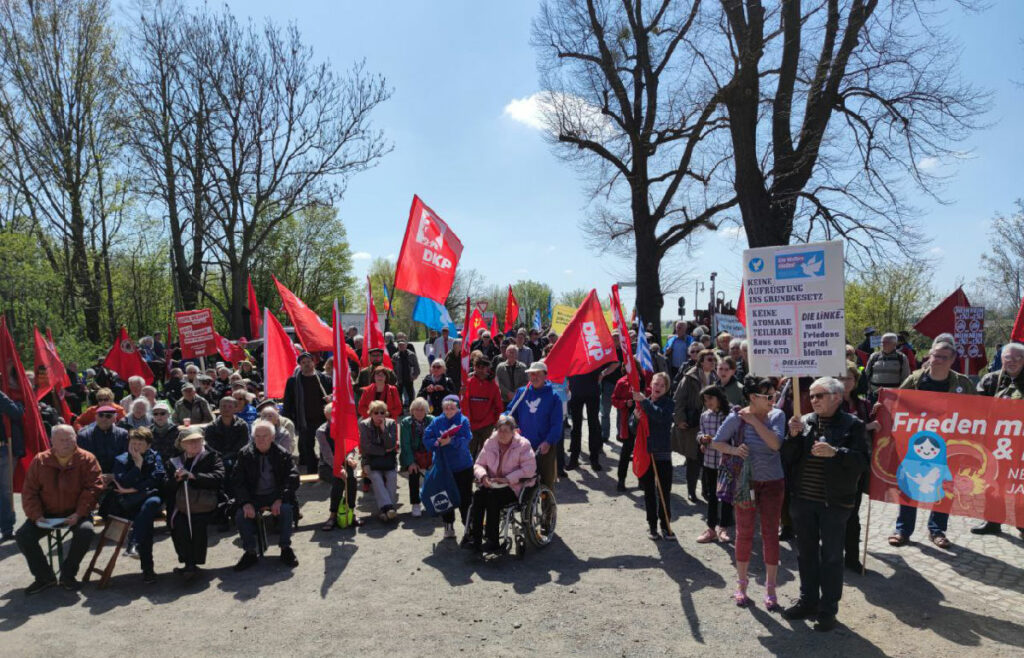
(379, 413)
(105, 414)
(818, 396)
(159, 413)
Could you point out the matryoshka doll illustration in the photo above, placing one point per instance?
(925, 468)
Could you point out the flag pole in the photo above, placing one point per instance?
(661, 494)
(867, 531)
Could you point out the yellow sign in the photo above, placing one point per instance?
(561, 315)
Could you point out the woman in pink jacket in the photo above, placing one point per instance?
(504, 460)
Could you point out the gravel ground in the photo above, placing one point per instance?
(601, 589)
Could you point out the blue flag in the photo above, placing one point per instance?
(434, 315)
(536, 319)
(549, 308)
(643, 350)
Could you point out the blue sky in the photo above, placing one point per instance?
(460, 118)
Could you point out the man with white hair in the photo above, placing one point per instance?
(1007, 382)
(65, 483)
(825, 454)
(135, 386)
(887, 368)
(264, 477)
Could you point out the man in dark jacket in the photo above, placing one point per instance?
(228, 434)
(887, 368)
(305, 395)
(264, 477)
(104, 439)
(825, 454)
(407, 369)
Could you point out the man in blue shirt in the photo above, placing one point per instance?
(538, 411)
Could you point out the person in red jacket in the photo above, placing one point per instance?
(622, 400)
(481, 403)
(380, 389)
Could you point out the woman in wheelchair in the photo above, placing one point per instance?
(504, 461)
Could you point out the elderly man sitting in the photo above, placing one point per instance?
(264, 476)
(62, 483)
(826, 453)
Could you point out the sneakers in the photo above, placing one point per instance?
(653, 535)
(800, 610)
(826, 623)
(449, 531)
(987, 528)
(132, 551)
(39, 586)
(248, 560)
(668, 534)
(288, 557)
(417, 510)
(707, 536)
(70, 583)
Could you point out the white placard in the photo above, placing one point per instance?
(796, 320)
(729, 323)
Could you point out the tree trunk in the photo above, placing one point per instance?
(649, 299)
(239, 297)
(83, 277)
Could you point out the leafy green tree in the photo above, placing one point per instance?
(573, 297)
(890, 298)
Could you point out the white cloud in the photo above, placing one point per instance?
(732, 231)
(567, 272)
(928, 163)
(937, 251)
(361, 255)
(534, 110)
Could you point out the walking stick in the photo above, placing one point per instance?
(867, 531)
(177, 464)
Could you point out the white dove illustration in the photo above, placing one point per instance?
(926, 482)
(532, 405)
(813, 266)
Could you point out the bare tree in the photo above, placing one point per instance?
(284, 133)
(1004, 264)
(811, 117)
(57, 111)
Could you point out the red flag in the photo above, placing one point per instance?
(124, 359)
(466, 340)
(344, 420)
(1017, 335)
(511, 311)
(476, 323)
(741, 308)
(373, 337)
(494, 325)
(14, 383)
(230, 351)
(430, 253)
(312, 331)
(278, 356)
(585, 345)
(641, 458)
(254, 312)
(45, 356)
(941, 319)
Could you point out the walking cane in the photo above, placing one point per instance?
(661, 495)
(188, 507)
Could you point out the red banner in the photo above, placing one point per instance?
(124, 358)
(14, 384)
(312, 331)
(430, 253)
(511, 311)
(944, 319)
(278, 357)
(254, 311)
(373, 336)
(959, 454)
(585, 345)
(230, 351)
(344, 420)
(196, 335)
(641, 458)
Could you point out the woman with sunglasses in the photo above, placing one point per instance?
(378, 445)
(756, 433)
(165, 433)
(436, 386)
(688, 408)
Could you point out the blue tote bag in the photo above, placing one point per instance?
(439, 492)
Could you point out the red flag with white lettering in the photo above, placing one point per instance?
(230, 351)
(344, 419)
(641, 458)
(311, 330)
(373, 336)
(124, 359)
(14, 384)
(511, 311)
(430, 253)
(278, 356)
(585, 345)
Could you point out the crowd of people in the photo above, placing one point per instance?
(206, 446)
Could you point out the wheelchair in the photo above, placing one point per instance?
(531, 520)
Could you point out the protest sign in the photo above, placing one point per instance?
(730, 323)
(959, 454)
(969, 331)
(561, 314)
(795, 310)
(195, 333)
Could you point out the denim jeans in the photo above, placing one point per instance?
(820, 536)
(142, 527)
(907, 520)
(7, 515)
(247, 527)
(28, 537)
(385, 488)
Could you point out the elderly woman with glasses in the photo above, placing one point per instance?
(436, 386)
(755, 434)
(378, 444)
(688, 408)
(449, 435)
